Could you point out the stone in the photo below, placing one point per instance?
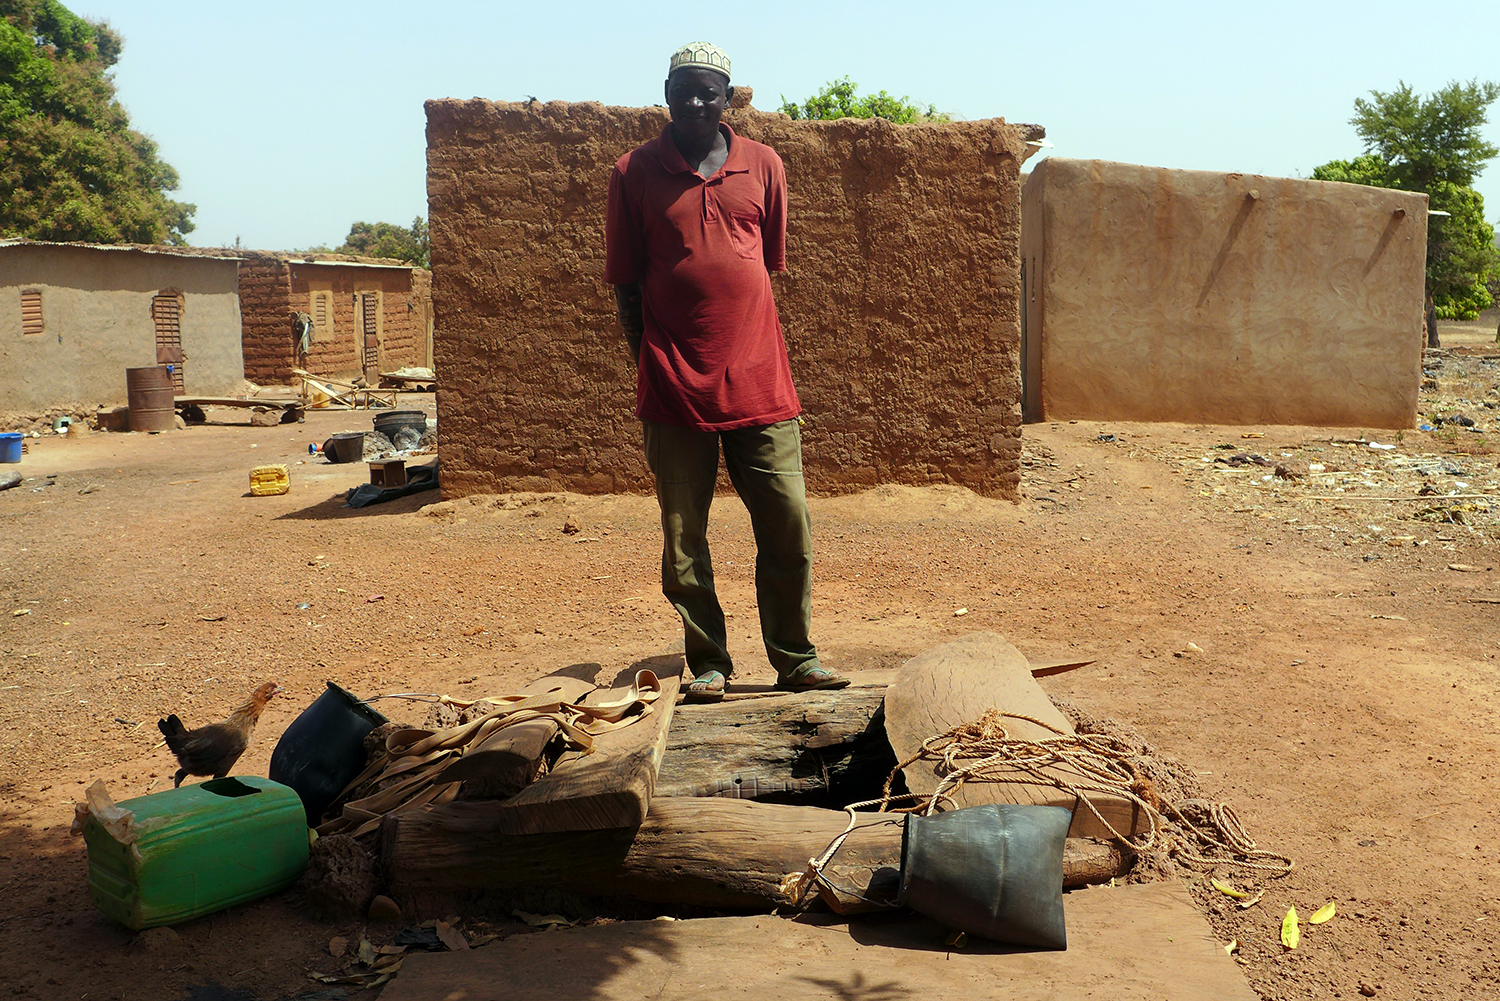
(10, 479)
(383, 908)
(158, 940)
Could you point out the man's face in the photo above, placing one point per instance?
(697, 98)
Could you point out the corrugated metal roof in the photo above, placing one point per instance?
(130, 248)
(348, 264)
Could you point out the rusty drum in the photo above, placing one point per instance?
(149, 393)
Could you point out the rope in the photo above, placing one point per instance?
(1079, 764)
(1084, 764)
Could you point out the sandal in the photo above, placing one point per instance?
(811, 678)
(707, 687)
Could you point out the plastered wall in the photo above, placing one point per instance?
(1172, 295)
(96, 306)
(900, 306)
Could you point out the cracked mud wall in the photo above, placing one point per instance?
(1176, 295)
(900, 306)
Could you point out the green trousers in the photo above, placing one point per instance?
(765, 466)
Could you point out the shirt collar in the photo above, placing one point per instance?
(671, 157)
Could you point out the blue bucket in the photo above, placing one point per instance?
(10, 446)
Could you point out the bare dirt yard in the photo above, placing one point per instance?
(1339, 691)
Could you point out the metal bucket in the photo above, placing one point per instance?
(993, 871)
(349, 446)
(149, 392)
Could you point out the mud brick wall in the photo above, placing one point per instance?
(900, 307)
(265, 307)
(273, 286)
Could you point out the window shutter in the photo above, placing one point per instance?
(31, 312)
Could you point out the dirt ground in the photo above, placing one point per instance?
(1342, 696)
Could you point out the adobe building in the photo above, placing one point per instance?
(76, 316)
(900, 306)
(334, 316)
(1178, 295)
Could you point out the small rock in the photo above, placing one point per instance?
(264, 418)
(9, 479)
(383, 908)
(158, 940)
(571, 526)
(1368, 990)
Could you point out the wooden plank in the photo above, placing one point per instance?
(700, 851)
(805, 742)
(239, 401)
(608, 788)
(1125, 943)
(955, 683)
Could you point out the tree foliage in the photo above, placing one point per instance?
(1433, 145)
(71, 168)
(840, 99)
(385, 239)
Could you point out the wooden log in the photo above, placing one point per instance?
(608, 788)
(830, 744)
(709, 852)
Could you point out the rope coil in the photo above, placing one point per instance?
(1198, 833)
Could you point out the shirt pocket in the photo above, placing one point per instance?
(744, 234)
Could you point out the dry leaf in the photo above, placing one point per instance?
(1228, 890)
(21, 611)
(1253, 434)
(1290, 933)
(1322, 914)
(451, 937)
(543, 920)
(337, 945)
(374, 597)
(1247, 904)
(366, 952)
(474, 631)
(1231, 947)
(1463, 568)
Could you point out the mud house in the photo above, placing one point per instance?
(337, 317)
(900, 308)
(74, 317)
(1177, 295)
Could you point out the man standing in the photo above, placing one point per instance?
(696, 223)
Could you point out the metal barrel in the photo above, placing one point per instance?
(149, 392)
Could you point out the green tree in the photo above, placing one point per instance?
(840, 99)
(385, 239)
(1433, 145)
(71, 168)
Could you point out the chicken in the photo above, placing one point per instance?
(213, 749)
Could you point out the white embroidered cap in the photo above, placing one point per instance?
(700, 55)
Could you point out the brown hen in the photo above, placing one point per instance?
(213, 749)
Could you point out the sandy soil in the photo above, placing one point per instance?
(1343, 699)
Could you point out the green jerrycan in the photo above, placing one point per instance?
(196, 850)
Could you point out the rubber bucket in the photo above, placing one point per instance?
(10, 446)
(346, 447)
(993, 871)
(323, 750)
(390, 424)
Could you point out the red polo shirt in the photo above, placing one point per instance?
(712, 356)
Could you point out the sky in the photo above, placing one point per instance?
(290, 121)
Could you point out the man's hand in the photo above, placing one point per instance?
(632, 320)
